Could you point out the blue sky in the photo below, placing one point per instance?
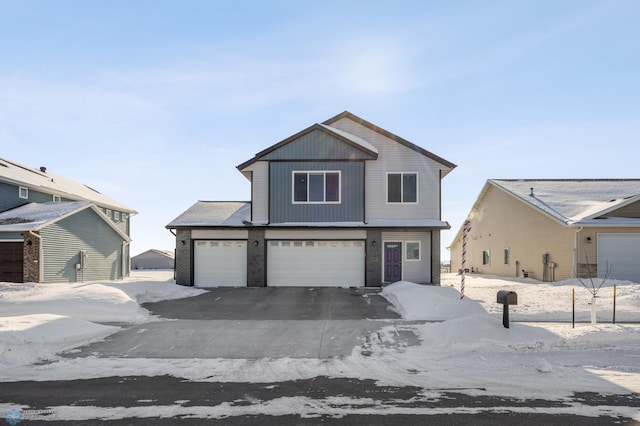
(154, 103)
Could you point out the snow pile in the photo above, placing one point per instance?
(111, 301)
(425, 302)
(29, 338)
(40, 320)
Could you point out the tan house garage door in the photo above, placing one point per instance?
(622, 253)
(11, 262)
(316, 263)
(220, 263)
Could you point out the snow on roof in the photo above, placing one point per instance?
(353, 138)
(214, 213)
(572, 200)
(35, 215)
(40, 180)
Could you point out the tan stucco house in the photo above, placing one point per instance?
(548, 229)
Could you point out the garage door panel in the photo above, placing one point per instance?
(11, 262)
(315, 263)
(621, 253)
(220, 263)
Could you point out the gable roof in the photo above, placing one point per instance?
(392, 136)
(35, 216)
(572, 201)
(43, 181)
(164, 253)
(353, 141)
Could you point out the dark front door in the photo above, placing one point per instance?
(11, 262)
(392, 262)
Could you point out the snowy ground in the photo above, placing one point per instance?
(468, 349)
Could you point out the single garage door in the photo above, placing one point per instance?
(315, 263)
(622, 252)
(11, 262)
(220, 263)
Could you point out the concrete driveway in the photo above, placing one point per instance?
(253, 323)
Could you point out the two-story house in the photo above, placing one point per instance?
(54, 229)
(342, 204)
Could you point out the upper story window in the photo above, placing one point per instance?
(116, 215)
(107, 212)
(56, 198)
(23, 192)
(316, 187)
(402, 187)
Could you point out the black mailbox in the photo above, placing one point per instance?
(507, 298)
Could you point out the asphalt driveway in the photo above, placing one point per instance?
(253, 323)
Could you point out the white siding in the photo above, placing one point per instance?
(415, 271)
(260, 191)
(394, 157)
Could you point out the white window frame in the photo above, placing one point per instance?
(393, 203)
(324, 172)
(56, 198)
(116, 215)
(23, 192)
(406, 251)
(488, 257)
(108, 213)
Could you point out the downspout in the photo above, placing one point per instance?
(575, 253)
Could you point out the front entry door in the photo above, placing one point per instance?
(392, 262)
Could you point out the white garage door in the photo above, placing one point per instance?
(220, 263)
(315, 263)
(622, 252)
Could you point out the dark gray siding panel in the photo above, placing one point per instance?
(282, 209)
(85, 230)
(316, 145)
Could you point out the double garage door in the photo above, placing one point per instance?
(324, 263)
(621, 253)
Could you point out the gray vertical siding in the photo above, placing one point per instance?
(282, 209)
(317, 145)
(85, 230)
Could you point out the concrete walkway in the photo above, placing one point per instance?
(253, 323)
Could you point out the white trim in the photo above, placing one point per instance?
(116, 215)
(56, 198)
(26, 192)
(108, 213)
(396, 203)
(406, 253)
(324, 179)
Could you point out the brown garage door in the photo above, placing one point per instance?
(11, 262)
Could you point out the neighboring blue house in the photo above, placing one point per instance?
(343, 204)
(53, 229)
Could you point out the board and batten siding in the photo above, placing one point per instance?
(317, 145)
(283, 210)
(412, 270)
(63, 240)
(259, 191)
(394, 157)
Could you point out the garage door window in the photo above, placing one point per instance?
(316, 187)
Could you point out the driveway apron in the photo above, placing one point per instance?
(253, 323)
